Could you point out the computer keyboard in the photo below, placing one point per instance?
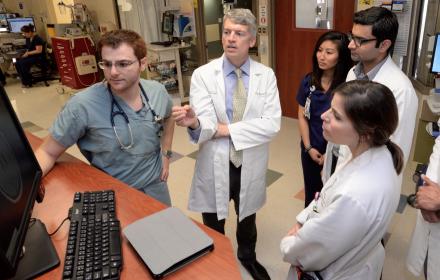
(94, 244)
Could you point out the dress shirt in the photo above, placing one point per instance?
(359, 71)
(230, 83)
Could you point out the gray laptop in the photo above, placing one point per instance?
(167, 240)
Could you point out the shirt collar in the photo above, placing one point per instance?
(229, 68)
(359, 71)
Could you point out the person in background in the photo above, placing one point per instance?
(35, 46)
(235, 112)
(372, 41)
(331, 62)
(122, 125)
(424, 250)
(338, 235)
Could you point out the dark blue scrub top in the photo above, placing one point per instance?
(320, 102)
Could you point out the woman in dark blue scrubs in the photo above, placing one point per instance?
(331, 62)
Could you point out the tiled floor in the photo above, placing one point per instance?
(38, 106)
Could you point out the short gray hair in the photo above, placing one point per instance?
(243, 17)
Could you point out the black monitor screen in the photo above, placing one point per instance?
(168, 23)
(20, 177)
(15, 24)
(435, 63)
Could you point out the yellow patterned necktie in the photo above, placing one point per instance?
(239, 100)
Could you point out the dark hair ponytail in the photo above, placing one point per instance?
(396, 154)
(372, 109)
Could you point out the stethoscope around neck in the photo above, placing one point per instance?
(120, 111)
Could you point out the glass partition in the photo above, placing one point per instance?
(314, 14)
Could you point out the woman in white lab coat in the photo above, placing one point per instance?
(338, 235)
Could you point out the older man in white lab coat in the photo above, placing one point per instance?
(215, 122)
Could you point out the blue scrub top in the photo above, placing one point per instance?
(320, 102)
(85, 120)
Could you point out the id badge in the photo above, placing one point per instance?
(307, 108)
(308, 101)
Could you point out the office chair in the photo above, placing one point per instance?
(42, 70)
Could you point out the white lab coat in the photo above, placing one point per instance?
(342, 238)
(426, 236)
(261, 122)
(407, 103)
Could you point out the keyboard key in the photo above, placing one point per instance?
(67, 274)
(114, 272)
(105, 272)
(115, 243)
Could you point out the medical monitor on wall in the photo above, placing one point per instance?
(435, 62)
(21, 240)
(168, 23)
(15, 24)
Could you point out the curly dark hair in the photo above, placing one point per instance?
(115, 38)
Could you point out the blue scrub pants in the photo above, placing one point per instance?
(23, 66)
(312, 176)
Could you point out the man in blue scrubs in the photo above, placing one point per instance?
(123, 125)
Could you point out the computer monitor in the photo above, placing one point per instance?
(435, 62)
(168, 23)
(15, 24)
(3, 22)
(21, 240)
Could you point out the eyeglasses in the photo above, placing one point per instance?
(358, 41)
(120, 65)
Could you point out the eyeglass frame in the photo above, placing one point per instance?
(120, 64)
(358, 41)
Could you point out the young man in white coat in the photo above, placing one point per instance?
(233, 120)
(425, 244)
(372, 40)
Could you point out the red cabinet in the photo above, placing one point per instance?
(75, 57)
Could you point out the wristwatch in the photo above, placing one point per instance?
(167, 153)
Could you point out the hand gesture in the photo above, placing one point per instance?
(316, 156)
(294, 230)
(430, 216)
(185, 116)
(428, 195)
